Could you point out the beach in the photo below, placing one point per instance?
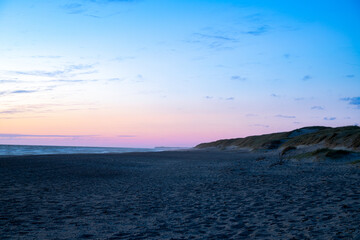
(198, 194)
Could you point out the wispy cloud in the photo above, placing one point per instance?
(284, 116)
(329, 118)
(238, 78)
(306, 78)
(45, 56)
(352, 101)
(12, 135)
(73, 8)
(8, 81)
(350, 76)
(286, 55)
(226, 98)
(67, 70)
(215, 37)
(258, 31)
(83, 8)
(221, 39)
(115, 79)
(79, 67)
(299, 99)
(260, 125)
(11, 111)
(139, 78)
(43, 108)
(21, 91)
(72, 80)
(26, 108)
(317, 108)
(39, 73)
(216, 40)
(121, 59)
(220, 98)
(126, 136)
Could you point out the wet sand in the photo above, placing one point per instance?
(177, 195)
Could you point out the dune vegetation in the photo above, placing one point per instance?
(326, 140)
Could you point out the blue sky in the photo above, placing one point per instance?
(174, 72)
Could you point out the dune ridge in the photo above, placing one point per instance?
(314, 137)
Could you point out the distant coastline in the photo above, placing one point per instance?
(20, 150)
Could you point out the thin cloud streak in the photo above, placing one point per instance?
(258, 31)
(21, 92)
(260, 125)
(49, 56)
(84, 9)
(11, 111)
(284, 116)
(216, 37)
(56, 73)
(73, 8)
(43, 108)
(329, 118)
(12, 135)
(9, 81)
(317, 108)
(238, 78)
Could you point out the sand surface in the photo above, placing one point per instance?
(177, 195)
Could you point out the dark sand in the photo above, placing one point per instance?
(177, 195)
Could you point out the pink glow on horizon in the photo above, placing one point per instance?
(133, 130)
(149, 141)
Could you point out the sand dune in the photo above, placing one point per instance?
(317, 141)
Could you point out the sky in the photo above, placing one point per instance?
(146, 73)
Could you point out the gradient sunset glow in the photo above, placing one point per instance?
(141, 73)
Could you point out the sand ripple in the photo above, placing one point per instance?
(176, 195)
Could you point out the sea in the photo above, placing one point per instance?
(20, 150)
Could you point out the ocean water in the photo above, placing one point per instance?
(18, 150)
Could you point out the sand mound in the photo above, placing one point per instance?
(345, 138)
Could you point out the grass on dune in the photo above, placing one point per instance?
(355, 162)
(332, 137)
(344, 137)
(256, 142)
(323, 153)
